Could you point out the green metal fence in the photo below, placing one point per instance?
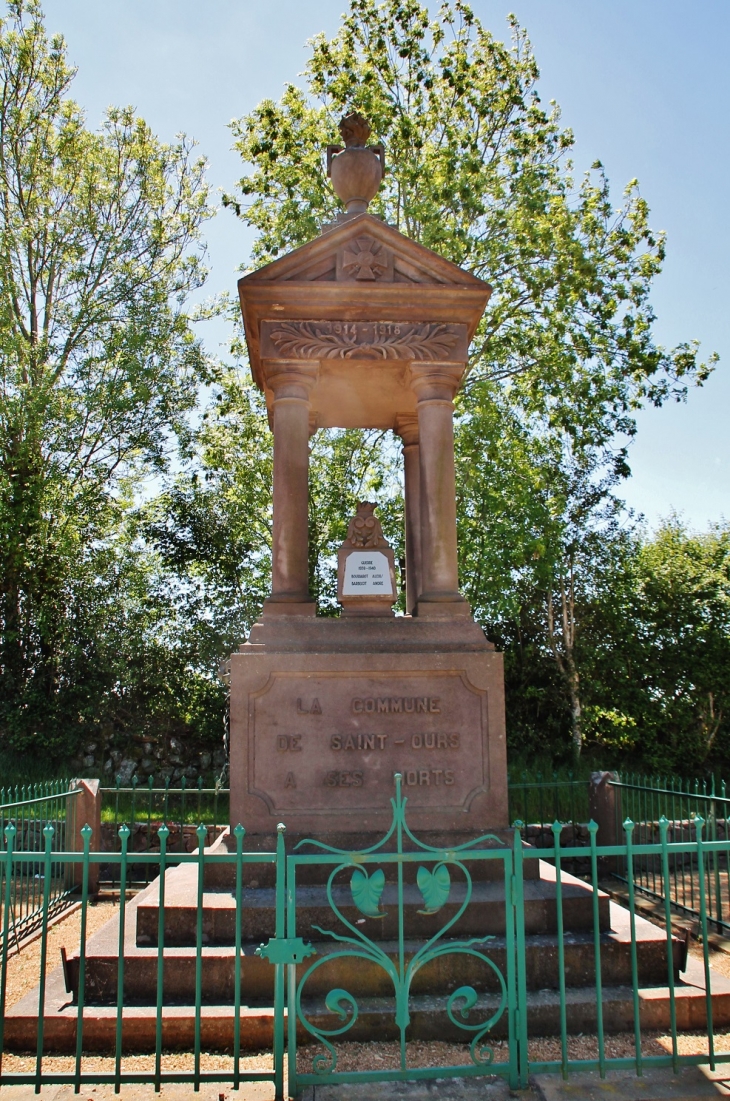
(159, 860)
(366, 879)
(145, 807)
(682, 804)
(29, 810)
(387, 884)
(537, 800)
(534, 799)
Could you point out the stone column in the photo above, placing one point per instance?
(407, 428)
(291, 382)
(435, 385)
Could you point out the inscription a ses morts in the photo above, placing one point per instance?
(352, 732)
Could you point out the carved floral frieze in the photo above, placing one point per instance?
(428, 341)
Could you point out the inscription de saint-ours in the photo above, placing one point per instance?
(353, 735)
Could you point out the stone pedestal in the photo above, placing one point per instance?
(325, 711)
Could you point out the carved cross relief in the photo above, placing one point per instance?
(364, 260)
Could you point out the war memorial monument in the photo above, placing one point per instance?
(364, 328)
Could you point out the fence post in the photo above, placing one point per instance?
(85, 810)
(604, 807)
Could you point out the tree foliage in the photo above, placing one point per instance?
(99, 252)
(657, 650)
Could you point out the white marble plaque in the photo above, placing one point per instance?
(367, 573)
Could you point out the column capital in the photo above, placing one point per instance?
(436, 381)
(406, 426)
(290, 378)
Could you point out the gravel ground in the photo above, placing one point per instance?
(24, 968)
(172, 1062)
(541, 1049)
(378, 1056)
(719, 958)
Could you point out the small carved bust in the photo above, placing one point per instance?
(357, 169)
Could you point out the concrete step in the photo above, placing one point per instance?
(484, 916)
(429, 1020)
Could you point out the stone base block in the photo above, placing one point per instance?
(323, 716)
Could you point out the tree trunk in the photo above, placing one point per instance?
(562, 645)
(573, 681)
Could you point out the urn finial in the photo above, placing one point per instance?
(357, 169)
(354, 130)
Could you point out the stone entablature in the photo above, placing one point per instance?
(362, 270)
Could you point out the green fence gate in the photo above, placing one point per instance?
(370, 894)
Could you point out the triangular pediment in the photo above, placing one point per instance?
(364, 251)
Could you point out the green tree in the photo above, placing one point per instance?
(481, 172)
(657, 651)
(539, 522)
(210, 528)
(99, 251)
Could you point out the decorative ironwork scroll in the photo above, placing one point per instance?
(443, 876)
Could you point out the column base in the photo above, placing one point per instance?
(439, 607)
(365, 608)
(272, 606)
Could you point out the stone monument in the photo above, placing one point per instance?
(364, 328)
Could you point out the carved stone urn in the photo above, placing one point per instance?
(357, 170)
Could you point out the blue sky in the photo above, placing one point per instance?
(643, 84)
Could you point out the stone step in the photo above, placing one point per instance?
(485, 914)
(363, 977)
(429, 1020)
(220, 876)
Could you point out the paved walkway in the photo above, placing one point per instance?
(691, 1084)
